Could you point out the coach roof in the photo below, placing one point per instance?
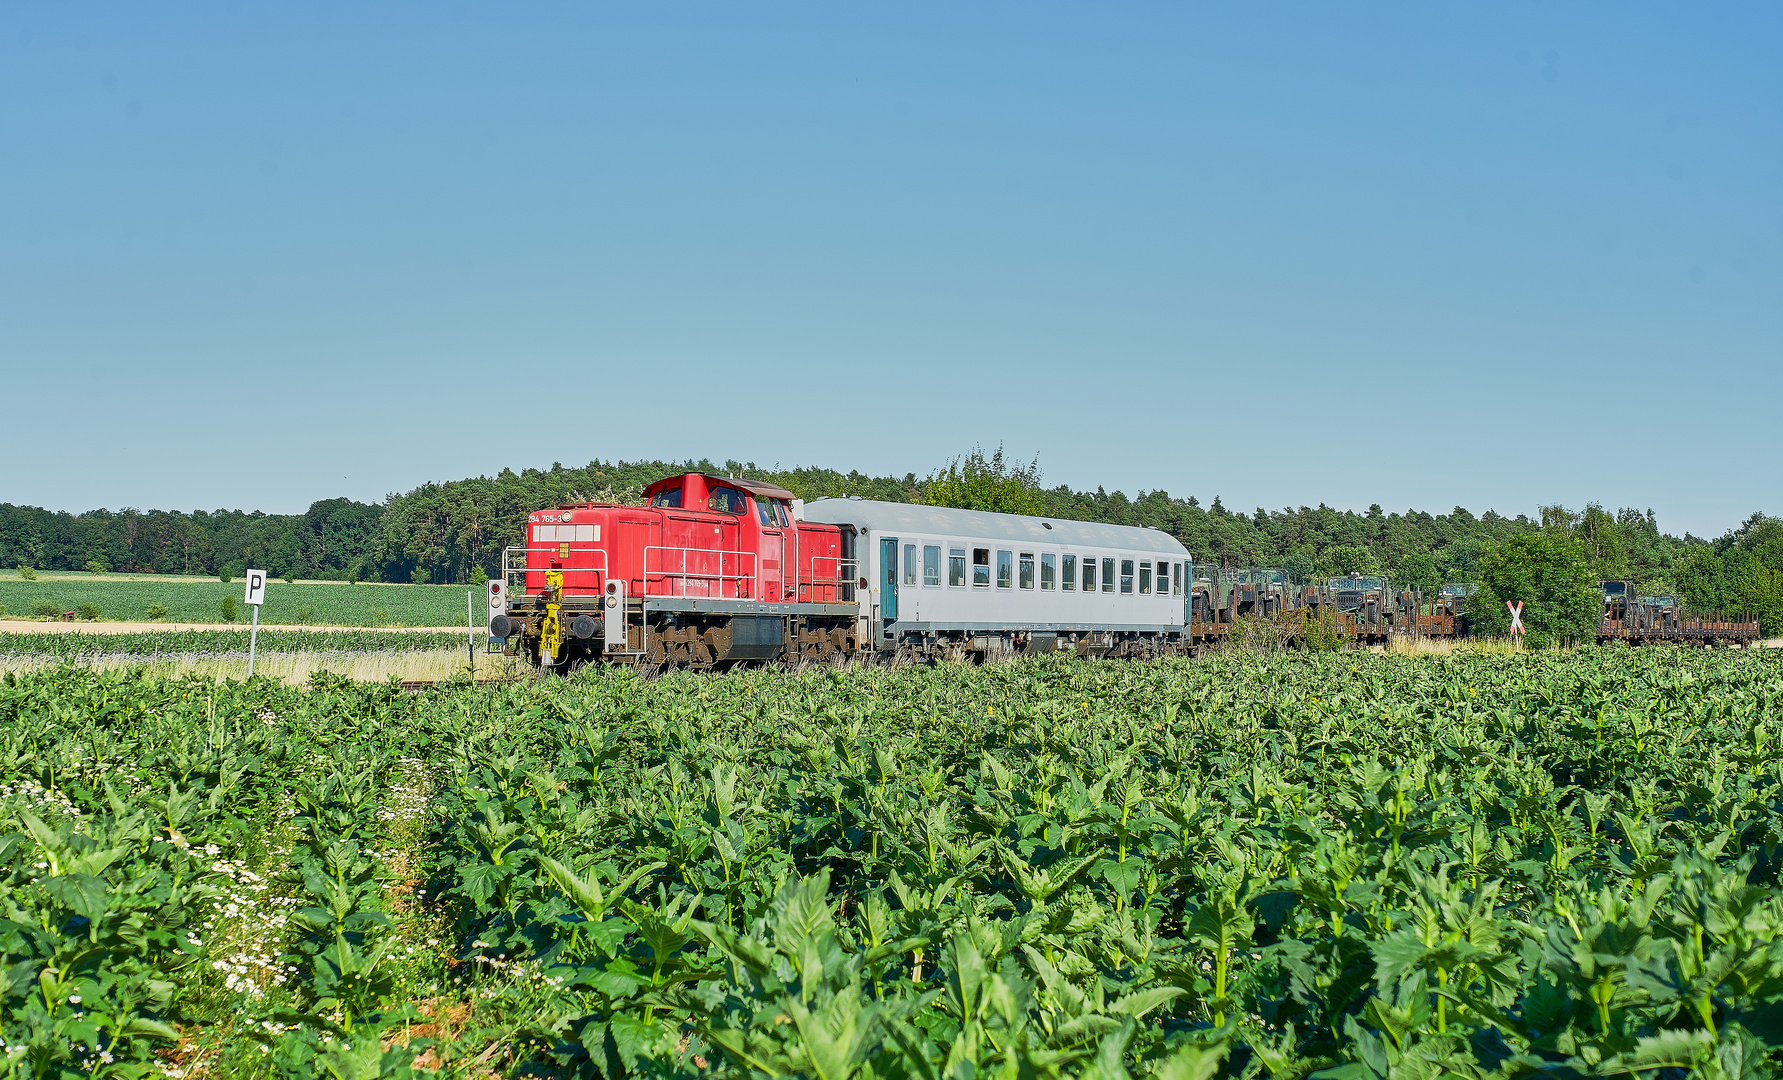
(941, 521)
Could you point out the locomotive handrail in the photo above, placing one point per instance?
(508, 569)
(844, 585)
(683, 576)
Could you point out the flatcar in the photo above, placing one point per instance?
(714, 571)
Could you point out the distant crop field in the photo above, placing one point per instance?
(200, 600)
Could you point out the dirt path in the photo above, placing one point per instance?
(23, 626)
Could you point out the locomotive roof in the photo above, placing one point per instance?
(755, 487)
(940, 521)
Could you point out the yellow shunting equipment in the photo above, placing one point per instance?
(551, 630)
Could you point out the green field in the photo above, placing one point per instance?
(199, 600)
(1333, 865)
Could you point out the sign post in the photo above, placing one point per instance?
(256, 595)
(1516, 607)
(470, 628)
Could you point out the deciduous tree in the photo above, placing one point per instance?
(1550, 572)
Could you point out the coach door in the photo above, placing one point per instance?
(888, 581)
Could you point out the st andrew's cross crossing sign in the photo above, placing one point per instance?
(1516, 607)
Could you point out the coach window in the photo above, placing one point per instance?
(1089, 575)
(931, 565)
(1005, 569)
(670, 498)
(1070, 582)
(956, 567)
(981, 567)
(1145, 579)
(909, 564)
(1025, 570)
(1107, 575)
(1126, 575)
(1176, 579)
(1049, 569)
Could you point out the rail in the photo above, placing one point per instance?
(571, 580)
(699, 580)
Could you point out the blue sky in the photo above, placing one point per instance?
(1421, 255)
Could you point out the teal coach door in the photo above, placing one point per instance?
(888, 593)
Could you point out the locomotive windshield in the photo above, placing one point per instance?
(773, 513)
(727, 501)
(669, 497)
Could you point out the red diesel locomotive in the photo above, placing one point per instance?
(710, 571)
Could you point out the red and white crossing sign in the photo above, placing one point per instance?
(1516, 607)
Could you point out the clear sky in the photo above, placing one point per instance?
(1495, 255)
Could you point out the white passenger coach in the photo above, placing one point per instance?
(951, 584)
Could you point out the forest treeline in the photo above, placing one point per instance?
(443, 532)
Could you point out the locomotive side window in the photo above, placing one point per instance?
(727, 501)
(956, 566)
(1089, 575)
(909, 564)
(764, 512)
(1070, 573)
(1126, 575)
(1026, 570)
(1145, 579)
(1005, 569)
(1108, 575)
(931, 565)
(1048, 569)
(670, 498)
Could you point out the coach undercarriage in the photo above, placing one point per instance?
(978, 646)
